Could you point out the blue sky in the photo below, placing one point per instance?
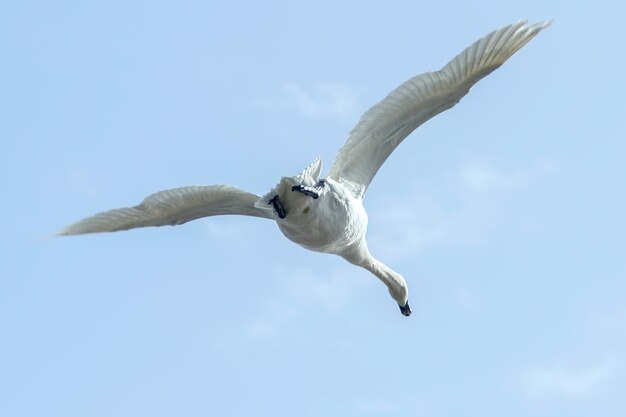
(505, 214)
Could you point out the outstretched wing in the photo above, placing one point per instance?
(172, 207)
(384, 126)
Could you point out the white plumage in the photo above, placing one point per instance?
(327, 214)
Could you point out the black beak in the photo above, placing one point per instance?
(405, 309)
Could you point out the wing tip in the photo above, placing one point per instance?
(529, 30)
(544, 24)
(537, 26)
(71, 230)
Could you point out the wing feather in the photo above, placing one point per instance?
(172, 207)
(383, 127)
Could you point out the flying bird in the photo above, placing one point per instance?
(326, 214)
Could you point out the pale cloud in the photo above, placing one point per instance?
(544, 381)
(379, 406)
(600, 349)
(479, 174)
(305, 290)
(275, 316)
(386, 407)
(73, 181)
(235, 232)
(224, 230)
(330, 292)
(466, 298)
(261, 328)
(608, 322)
(419, 218)
(323, 100)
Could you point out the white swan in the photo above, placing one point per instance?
(327, 215)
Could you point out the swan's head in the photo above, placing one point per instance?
(405, 309)
(400, 294)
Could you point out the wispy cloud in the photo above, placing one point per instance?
(608, 322)
(600, 349)
(480, 175)
(272, 319)
(304, 290)
(379, 407)
(323, 100)
(73, 181)
(260, 328)
(386, 407)
(329, 293)
(421, 217)
(543, 381)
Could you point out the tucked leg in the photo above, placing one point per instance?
(313, 192)
(278, 207)
(310, 191)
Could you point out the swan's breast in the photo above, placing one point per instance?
(331, 223)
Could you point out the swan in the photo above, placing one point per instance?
(327, 214)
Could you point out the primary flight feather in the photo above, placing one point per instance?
(327, 214)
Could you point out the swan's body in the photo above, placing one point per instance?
(327, 214)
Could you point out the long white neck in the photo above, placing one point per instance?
(394, 281)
